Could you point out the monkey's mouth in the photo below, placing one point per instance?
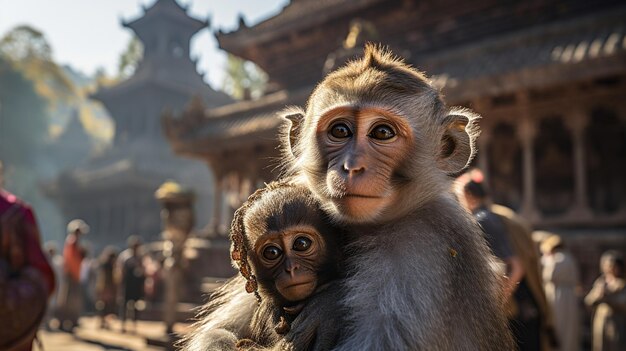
(299, 284)
(298, 291)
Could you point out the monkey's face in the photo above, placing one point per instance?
(376, 140)
(291, 259)
(362, 148)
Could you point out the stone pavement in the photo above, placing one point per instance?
(89, 337)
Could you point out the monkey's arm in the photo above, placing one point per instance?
(316, 327)
(225, 319)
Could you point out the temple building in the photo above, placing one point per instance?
(548, 77)
(114, 192)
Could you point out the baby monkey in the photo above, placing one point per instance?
(287, 250)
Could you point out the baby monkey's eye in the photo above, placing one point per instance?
(272, 252)
(302, 243)
(382, 132)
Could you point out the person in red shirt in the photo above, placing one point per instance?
(25, 274)
(70, 294)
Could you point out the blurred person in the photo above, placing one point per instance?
(132, 280)
(608, 300)
(56, 261)
(88, 271)
(528, 306)
(70, 294)
(154, 278)
(26, 278)
(561, 281)
(106, 285)
(475, 199)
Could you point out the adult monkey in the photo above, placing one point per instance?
(377, 145)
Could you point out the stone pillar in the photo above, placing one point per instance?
(577, 123)
(527, 131)
(178, 220)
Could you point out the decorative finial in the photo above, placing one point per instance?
(242, 21)
(171, 191)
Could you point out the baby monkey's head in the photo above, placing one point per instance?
(283, 243)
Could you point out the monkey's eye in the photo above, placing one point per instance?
(302, 243)
(272, 252)
(340, 131)
(382, 132)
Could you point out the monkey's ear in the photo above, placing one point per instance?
(456, 148)
(294, 117)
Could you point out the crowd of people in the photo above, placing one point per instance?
(109, 285)
(544, 292)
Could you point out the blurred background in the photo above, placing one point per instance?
(102, 102)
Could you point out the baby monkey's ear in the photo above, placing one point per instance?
(457, 146)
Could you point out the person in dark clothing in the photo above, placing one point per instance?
(476, 201)
(526, 323)
(26, 277)
(132, 282)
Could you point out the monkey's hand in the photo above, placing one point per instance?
(247, 345)
(317, 326)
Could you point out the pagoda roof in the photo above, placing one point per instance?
(298, 14)
(141, 163)
(566, 51)
(168, 10)
(551, 54)
(186, 82)
(232, 125)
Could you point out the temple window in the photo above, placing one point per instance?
(176, 48)
(505, 166)
(554, 165)
(606, 161)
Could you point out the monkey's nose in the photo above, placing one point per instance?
(291, 267)
(353, 168)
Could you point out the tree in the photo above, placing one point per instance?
(28, 50)
(130, 58)
(24, 43)
(33, 90)
(23, 120)
(243, 78)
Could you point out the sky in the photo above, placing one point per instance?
(87, 34)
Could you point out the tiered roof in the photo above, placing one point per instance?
(165, 11)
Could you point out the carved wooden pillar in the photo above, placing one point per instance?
(527, 130)
(577, 123)
(232, 202)
(217, 204)
(483, 154)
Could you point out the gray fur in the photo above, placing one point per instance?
(407, 291)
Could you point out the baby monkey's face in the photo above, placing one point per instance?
(292, 259)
